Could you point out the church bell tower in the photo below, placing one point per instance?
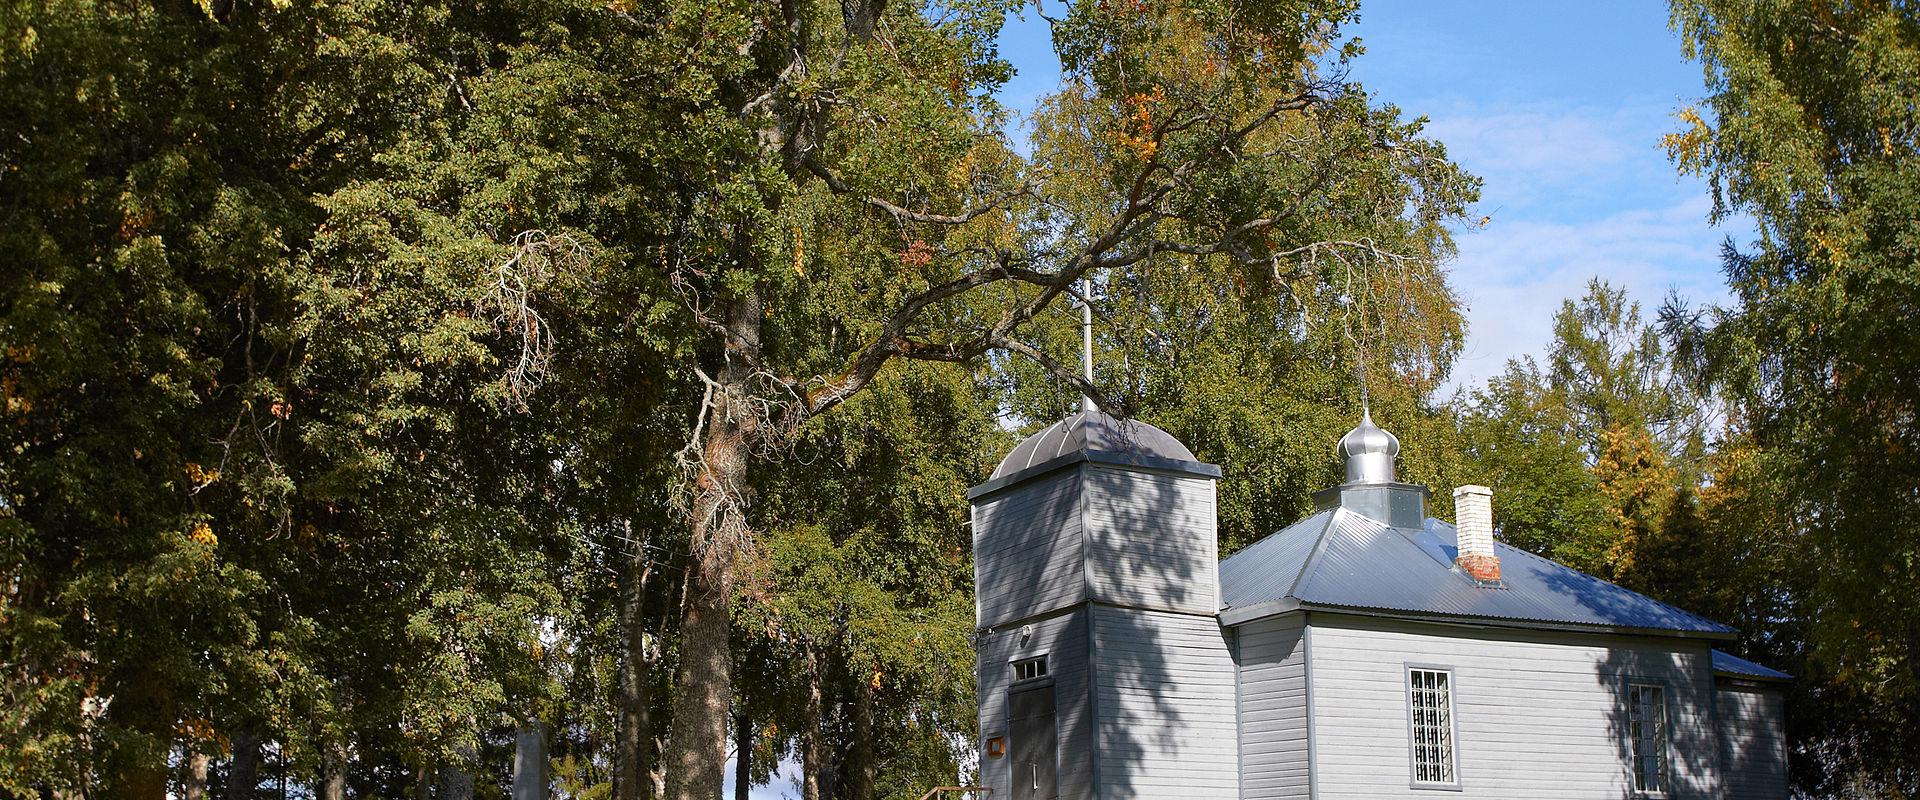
(1103, 671)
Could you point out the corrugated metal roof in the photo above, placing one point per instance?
(1266, 569)
(1725, 663)
(1093, 431)
(1346, 560)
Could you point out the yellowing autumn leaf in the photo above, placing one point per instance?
(201, 476)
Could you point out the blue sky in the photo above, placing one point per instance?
(1559, 107)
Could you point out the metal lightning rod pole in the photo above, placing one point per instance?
(1086, 341)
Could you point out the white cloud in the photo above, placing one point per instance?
(1531, 157)
(1574, 192)
(1513, 275)
(1553, 158)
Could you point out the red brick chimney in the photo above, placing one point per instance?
(1473, 519)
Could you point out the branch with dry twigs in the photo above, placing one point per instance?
(536, 258)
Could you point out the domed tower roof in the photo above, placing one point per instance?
(1369, 452)
(1093, 431)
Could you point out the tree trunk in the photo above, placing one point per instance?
(195, 783)
(696, 765)
(333, 772)
(742, 755)
(422, 783)
(861, 767)
(633, 738)
(243, 773)
(811, 746)
(703, 689)
(456, 783)
(530, 762)
(703, 686)
(137, 768)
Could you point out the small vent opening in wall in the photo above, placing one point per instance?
(1030, 669)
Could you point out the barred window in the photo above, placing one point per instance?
(1647, 722)
(1030, 669)
(1430, 696)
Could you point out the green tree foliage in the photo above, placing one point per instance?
(901, 225)
(1586, 454)
(1639, 486)
(379, 377)
(1519, 440)
(267, 475)
(1757, 579)
(1615, 374)
(1254, 351)
(148, 211)
(1809, 128)
(859, 609)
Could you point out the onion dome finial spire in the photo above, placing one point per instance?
(1369, 451)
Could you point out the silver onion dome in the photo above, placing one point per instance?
(1369, 452)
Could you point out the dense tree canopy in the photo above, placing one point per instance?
(1587, 450)
(395, 392)
(1811, 128)
(354, 350)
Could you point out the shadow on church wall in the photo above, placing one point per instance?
(1164, 681)
(1692, 759)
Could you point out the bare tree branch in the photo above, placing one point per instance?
(536, 258)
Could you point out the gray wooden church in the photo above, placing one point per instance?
(1366, 651)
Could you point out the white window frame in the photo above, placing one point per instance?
(1448, 729)
(1661, 737)
(1037, 665)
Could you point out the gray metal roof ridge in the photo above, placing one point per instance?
(1066, 423)
(1326, 563)
(1319, 546)
(1091, 430)
(1248, 565)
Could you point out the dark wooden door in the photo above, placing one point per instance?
(1033, 743)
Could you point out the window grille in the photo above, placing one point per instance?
(1029, 669)
(1647, 723)
(1430, 695)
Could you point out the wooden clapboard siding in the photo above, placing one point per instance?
(1028, 548)
(1753, 752)
(1539, 715)
(1164, 705)
(1063, 638)
(1115, 570)
(1151, 540)
(1272, 667)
